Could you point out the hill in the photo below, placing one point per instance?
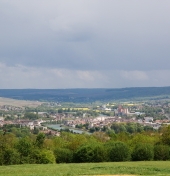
(86, 95)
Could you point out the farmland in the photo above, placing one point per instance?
(18, 103)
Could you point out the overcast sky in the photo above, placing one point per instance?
(84, 43)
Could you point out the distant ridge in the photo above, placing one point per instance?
(85, 94)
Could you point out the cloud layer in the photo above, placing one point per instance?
(36, 77)
(84, 43)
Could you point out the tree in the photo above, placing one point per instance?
(76, 141)
(11, 157)
(131, 127)
(40, 140)
(118, 151)
(166, 135)
(7, 141)
(90, 153)
(60, 111)
(148, 128)
(161, 152)
(8, 154)
(142, 138)
(143, 152)
(36, 130)
(118, 128)
(123, 136)
(31, 116)
(24, 147)
(101, 136)
(42, 156)
(112, 134)
(63, 155)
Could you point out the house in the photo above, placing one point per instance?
(148, 119)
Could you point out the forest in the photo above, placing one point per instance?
(19, 146)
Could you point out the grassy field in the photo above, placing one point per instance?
(161, 168)
(18, 103)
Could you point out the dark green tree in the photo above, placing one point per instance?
(63, 155)
(90, 153)
(31, 116)
(118, 151)
(40, 140)
(11, 157)
(143, 152)
(161, 152)
(24, 147)
(166, 135)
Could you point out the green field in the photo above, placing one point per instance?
(115, 168)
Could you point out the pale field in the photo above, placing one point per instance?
(18, 103)
(79, 109)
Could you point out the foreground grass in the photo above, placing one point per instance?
(119, 168)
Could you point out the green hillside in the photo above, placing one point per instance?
(86, 95)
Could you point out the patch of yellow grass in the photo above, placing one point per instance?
(96, 110)
(77, 109)
(130, 104)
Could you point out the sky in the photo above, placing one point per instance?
(84, 43)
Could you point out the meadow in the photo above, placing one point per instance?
(18, 103)
(89, 169)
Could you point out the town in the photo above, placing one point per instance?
(51, 118)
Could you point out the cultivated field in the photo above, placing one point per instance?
(18, 103)
(161, 168)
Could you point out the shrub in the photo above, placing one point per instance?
(166, 135)
(118, 151)
(11, 157)
(24, 147)
(143, 152)
(63, 155)
(161, 152)
(90, 153)
(42, 157)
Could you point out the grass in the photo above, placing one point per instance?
(18, 103)
(160, 168)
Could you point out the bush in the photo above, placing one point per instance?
(24, 146)
(143, 152)
(11, 157)
(63, 155)
(90, 153)
(166, 135)
(161, 152)
(42, 157)
(118, 151)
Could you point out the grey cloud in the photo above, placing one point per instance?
(33, 77)
(86, 35)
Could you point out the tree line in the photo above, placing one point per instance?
(98, 147)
